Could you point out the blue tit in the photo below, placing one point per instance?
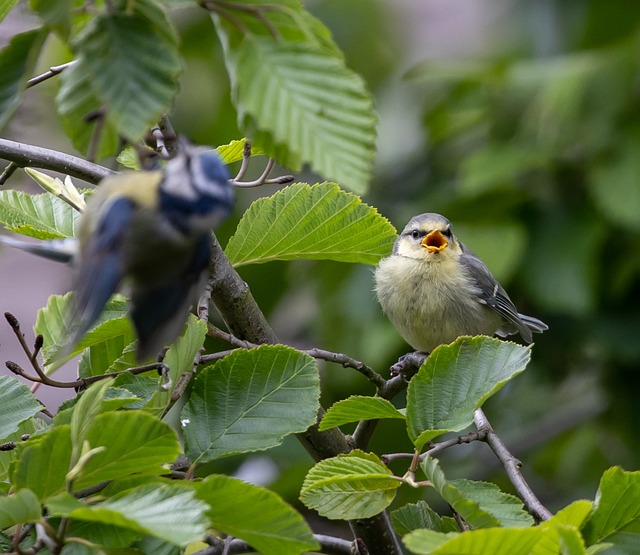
(150, 230)
(434, 289)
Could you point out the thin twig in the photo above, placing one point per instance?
(512, 467)
(320, 354)
(8, 172)
(435, 447)
(53, 70)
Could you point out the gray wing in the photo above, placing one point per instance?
(494, 296)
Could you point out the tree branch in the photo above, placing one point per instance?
(243, 318)
(24, 155)
(512, 467)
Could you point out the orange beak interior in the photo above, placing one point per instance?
(435, 241)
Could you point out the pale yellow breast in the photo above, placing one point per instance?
(431, 302)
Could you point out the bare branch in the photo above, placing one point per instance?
(24, 155)
(53, 70)
(8, 172)
(512, 467)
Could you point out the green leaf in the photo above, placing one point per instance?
(357, 408)
(43, 463)
(5, 7)
(571, 517)
(318, 222)
(85, 411)
(179, 358)
(42, 216)
(494, 541)
(413, 516)
(75, 101)
(616, 514)
(234, 151)
(302, 103)
(120, 52)
(170, 512)
(17, 62)
(117, 350)
(354, 485)
(7, 458)
(56, 15)
(249, 401)
(52, 322)
(134, 443)
(21, 507)
(455, 380)
(506, 508)
(17, 404)
(256, 515)
(477, 512)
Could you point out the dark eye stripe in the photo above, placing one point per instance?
(415, 233)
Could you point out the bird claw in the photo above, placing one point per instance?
(409, 361)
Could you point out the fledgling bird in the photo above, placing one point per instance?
(434, 289)
(150, 229)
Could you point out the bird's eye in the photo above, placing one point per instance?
(415, 234)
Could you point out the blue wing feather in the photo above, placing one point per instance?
(101, 266)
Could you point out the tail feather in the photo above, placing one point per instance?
(535, 325)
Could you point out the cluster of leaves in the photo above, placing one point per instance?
(293, 92)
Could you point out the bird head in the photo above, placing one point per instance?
(197, 186)
(426, 237)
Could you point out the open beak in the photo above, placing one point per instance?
(435, 241)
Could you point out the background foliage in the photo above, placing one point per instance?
(526, 139)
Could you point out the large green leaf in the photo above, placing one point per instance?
(179, 358)
(480, 504)
(42, 216)
(134, 443)
(256, 515)
(494, 541)
(43, 463)
(299, 99)
(53, 323)
(455, 380)
(84, 412)
(354, 485)
(75, 101)
(616, 514)
(18, 508)
(170, 512)
(17, 61)
(507, 508)
(318, 222)
(17, 404)
(356, 408)
(562, 528)
(120, 52)
(249, 401)
(413, 516)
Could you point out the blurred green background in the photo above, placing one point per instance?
(520, 121)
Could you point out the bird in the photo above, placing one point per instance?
(150, 229)
(434, 289)
(146, 231)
